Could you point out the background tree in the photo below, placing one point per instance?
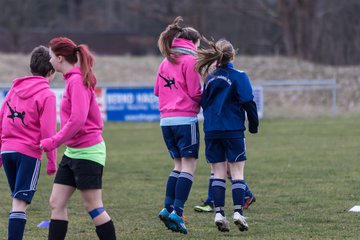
(325, 31)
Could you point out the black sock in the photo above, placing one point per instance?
(57, 229)
(106, 231)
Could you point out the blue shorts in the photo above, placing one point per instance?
(222, 150)
(182, 140)
(22, 172)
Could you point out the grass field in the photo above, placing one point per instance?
(304, 172)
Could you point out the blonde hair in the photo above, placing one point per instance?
(219, 53)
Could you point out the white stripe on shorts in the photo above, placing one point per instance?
(35, 175)
(193, 134)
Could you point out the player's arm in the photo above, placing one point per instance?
(193, 81)
(48, 129)
(80, 104)
(2, 110)
(252, 116)
(247, 101)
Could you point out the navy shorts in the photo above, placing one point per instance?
(182, 140)
(222, 150)
(22, 172)
(79, 173)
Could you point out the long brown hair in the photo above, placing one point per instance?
(174, 30)
(219, 53)
(65, 47)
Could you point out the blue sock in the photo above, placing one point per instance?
(218, 191)
(210, 199)
(17, 222)
(183, 187)
(170, 191)
(238, 194)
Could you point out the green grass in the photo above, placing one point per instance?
(305, 174)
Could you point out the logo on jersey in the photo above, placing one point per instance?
(169, 82)
(15, 114)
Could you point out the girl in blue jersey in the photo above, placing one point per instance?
(227, 96)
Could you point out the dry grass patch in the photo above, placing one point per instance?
(141, 71)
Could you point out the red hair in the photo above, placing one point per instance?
(65, 47)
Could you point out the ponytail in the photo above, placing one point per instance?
(86, 65)
(173, 31)
(219, 53)
(71, 52)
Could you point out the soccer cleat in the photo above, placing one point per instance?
(248, 201)
(206, 207)
(240, 222)
(164, 217)
(179, 222)
(221, 223)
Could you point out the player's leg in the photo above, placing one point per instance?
(249, 196)
(218, 190)
(182, 191)
(59, 199)
(236, 156)
(172, 179)
(88, 178)
(208, 204)
(215, 155)
(63, 188)
(23, 173)
(92, 200)
(188, 144)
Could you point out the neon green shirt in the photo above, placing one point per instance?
(96, 153)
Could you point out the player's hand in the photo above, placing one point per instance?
(47, 144)
(50, 172)
(253, 130)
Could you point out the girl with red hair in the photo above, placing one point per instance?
(81, 127)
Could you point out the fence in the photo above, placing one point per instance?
(121, 102)
(301, 85)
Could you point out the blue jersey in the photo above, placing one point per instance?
(227, 96)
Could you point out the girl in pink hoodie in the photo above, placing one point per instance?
(179, 90)
(81, 126)
(27, 115)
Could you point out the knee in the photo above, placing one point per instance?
(88, 207)
(91, 205)
(56, 204)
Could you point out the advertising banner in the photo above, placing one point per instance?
(132, 104)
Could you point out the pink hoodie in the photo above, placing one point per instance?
(80, 119)
(28, 115)
(178, 86)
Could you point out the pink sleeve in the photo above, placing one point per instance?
(193, 81)
(1, 120)
(156, 87)
(48, 129)
(80, 104)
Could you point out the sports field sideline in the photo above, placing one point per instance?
(304, 173)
